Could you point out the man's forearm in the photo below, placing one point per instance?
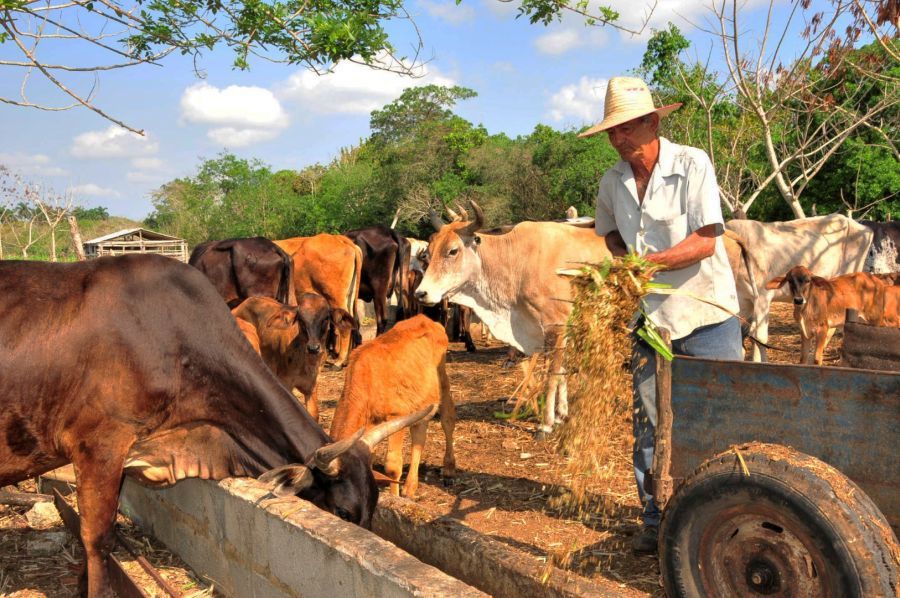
(697, 246)
(615, 243)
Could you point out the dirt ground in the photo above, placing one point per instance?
(504, 483)
(506, 479)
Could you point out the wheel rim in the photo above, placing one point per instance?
(757, 551)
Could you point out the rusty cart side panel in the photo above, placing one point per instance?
(849, 418)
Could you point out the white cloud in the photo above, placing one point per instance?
(93, 189)
(353, 88)
(113, 142)
(558, 42)
(234, 106)
(570, 38)
(242, 115)
(448, 11)
(31, 164)
(233, 137)
(580, 103)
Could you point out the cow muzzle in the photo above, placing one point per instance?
(799, 301)
(313, 348)
(425, 299)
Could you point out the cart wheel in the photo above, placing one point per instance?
(794, 527)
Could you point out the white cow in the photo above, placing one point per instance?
(510, 282)
(828, 245)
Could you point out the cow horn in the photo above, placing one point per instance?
(454, 217)
(462, 210)
(328, 457)
(475, 225)
(382, 431)
(436, 221)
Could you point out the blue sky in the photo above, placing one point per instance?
(290, 118)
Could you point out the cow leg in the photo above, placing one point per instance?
(393, 460)
(312, 403)
(448, 423)
(417, 434)
(823, 335)
(379, 302)
(761, 330)
(805, 348)
(99, 472)
(558, 378)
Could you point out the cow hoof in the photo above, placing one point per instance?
(542, 435)
(447, 482)
(508, 364)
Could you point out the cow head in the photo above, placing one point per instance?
(452, 257)
(339, 478)
(799, 279)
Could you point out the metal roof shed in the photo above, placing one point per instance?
(137, 240)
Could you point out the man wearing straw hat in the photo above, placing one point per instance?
(661, 200)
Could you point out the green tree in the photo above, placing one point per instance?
(315, 34)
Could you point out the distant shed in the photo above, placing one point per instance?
(137, 240)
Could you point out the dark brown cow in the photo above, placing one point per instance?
(291, 339)
(135, 364)
(241, 268)
(384, 269)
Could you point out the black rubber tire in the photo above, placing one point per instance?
(801, 528)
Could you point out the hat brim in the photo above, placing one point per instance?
(614, 120)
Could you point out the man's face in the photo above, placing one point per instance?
(632, 138)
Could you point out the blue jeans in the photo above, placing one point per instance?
(716, 341)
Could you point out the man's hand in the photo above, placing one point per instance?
(615, 243)
(699, 245)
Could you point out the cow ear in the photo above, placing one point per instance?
(342, 319)
(288, 480)
(776, 283)
(282, 319)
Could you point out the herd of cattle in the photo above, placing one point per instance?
(137, 365)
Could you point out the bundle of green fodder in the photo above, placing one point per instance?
(598, 348)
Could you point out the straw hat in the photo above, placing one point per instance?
(627, 98)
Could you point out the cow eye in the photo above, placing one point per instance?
(343, 514)
(453, 251)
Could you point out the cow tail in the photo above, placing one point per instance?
(353, 295)
(402, 266)
(750, 265)
(286, 292)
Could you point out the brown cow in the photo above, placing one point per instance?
(134, 364)
(331, 266)
(290, 339)
(820, 305)
(398, 373)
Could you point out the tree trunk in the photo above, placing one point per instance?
(53, 244)
(76, 239)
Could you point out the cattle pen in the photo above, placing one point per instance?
(496, 519)
(137, 240)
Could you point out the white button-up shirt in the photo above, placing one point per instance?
(682, 196)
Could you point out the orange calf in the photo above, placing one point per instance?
(396, 374)
(292, 340)
(820, 305)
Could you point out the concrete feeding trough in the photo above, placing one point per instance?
(251, 544)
